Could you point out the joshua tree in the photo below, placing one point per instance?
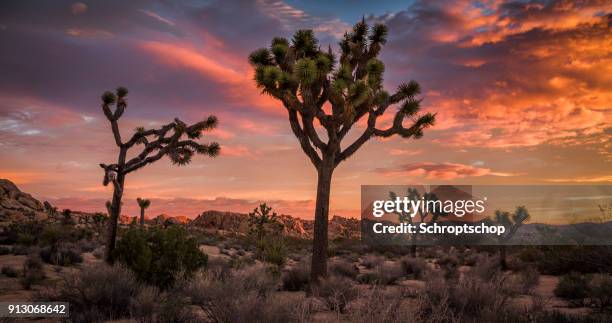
(414, 195)
(259, 219)
(512, 223)
(143, 204)
(168, 140)
(312, 86)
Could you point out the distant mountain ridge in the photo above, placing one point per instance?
(17, 206)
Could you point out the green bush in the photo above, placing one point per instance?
(573, 286)
(157, 256)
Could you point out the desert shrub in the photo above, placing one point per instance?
(297, 277)
(486, 268)
(32, 273)
(351, 257)
(24, 233)
(370, 261)
(389, 273)
(54, 234)
(344, 268)
(243, 295)
(65, 254)
(573, 286)
(525, 280)
(158, 256)
(471, 259)
(379, 306)
(449, 265)
(468, 299)
(9, 271)
(336, 292)
(383, 274)
(600, 288)
(97, 293)
(560, 260)
(145, 304)
(415, 267)
(4, 250)
(98, 253)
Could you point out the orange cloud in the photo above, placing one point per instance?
(443, 171)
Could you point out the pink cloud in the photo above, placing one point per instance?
(443, 171)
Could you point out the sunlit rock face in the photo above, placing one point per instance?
(16, 205)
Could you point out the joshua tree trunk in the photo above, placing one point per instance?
(114, 210)
(502, 257)
(319, 246)
(142, 216)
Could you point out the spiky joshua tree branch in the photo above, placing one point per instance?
(177, 140)
(316, 90)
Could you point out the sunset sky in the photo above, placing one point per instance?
(523, 92)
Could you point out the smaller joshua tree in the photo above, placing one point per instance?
(175, 140)
(143, 204)
(512, 223)
(260, 219)
(414, 195)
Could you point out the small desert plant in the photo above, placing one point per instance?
(336, 292)
(32, 273)
(600, 289)
(275, 251)
(9, 271)
(370, 261)
(344, 268)
(415, 267)
(573, 287)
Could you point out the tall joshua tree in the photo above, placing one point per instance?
(511, 223)
(143, 204)
(312, 85)
(175, 140)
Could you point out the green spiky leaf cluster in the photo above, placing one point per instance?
(305, 78)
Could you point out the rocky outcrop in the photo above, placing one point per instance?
(164, 219)
(16, 205)
(239, 223)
